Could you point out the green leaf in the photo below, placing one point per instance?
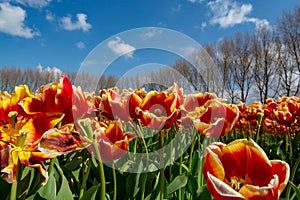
(132, 185)
(296, 189)
(203, 193)
(36, 181)
(24, 184)
(65, 191)
(192, 185)
(178, 182)
(74, 164)
(91, 193)
(48, 191)
(195, 160)
(4, 188)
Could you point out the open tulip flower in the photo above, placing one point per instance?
(62, 97)
(193, 105)
(112, 141)
(217, 119)
(242, 170)
(31, 150)
(159, 110)
(114, 105)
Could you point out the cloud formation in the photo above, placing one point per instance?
(228, 13)
(52, 70)
(150, 33)
(81, 23)
(49, 16)
(80, 45)
(119, 47)
(194, 1)
(12, 21)
(177, 9)
(33, 3)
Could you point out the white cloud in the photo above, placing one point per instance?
(177, 9)
(150, 33)
(12, 21)
(119, 47)
(203, 25)
(50, 16)
(260, 22)
(188, 51)
(89, 62)
(80, 45)
(228, 13)
(52, 70)
(194, 1)
(81, 23)
(31, 3)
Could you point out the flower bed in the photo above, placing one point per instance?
(63, 143)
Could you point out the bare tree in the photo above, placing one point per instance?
(289, 27)
(265, 69)
(224, 51)
(241, 67)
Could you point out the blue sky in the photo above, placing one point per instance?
(62, 33)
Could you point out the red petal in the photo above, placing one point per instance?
(282, 170)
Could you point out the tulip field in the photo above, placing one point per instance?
(61, 142)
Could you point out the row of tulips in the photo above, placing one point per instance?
(276, 117)
(56, 130)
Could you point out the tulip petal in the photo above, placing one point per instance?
(60, 141)
(268, 192)
(244, 156)
(235, 154)
(282, 169)
(222, 190)
(213, 164)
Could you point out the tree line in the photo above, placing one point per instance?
(244, 67)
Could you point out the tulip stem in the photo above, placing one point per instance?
(180, 171)
(291, 146)
(143, 187)
(101, 172)
(191, 154)
(13, 195)
(293, 173)
(85, 124)
(85, 177)
(259, 120)
(115, 181)
(162, 171)
(200, 177)
(14, 187)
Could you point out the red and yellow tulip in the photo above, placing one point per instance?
(217, 119)
(112, 141)
(242, 170)
(159, 110)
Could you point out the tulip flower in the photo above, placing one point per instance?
(112, 141)
(57, 98)
(242, 170)
(114, 105)
(52, 143)
(217, 119)
(159, 110)
(193, 105)
(10, 103)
